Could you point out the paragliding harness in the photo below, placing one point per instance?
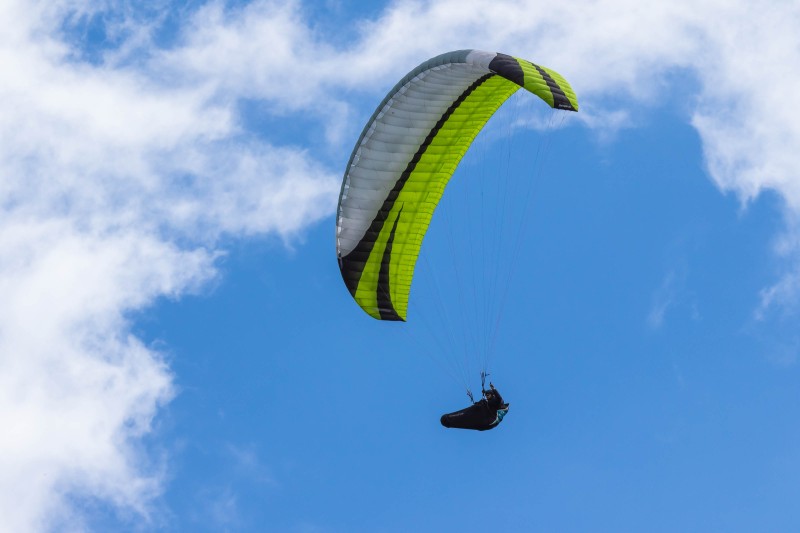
(482, 415)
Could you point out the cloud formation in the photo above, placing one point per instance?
(117, 185)
(123, 168)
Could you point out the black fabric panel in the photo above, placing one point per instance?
(560, 100)
(508, 67)
(385, 305)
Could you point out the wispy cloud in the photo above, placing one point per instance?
(249, 465)
(220, 509)
(670, 296)
(663, 299)
(783, 296)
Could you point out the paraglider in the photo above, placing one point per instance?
(405, 156)
(401, 164)
(482, 415)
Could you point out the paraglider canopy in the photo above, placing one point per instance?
(405, 157)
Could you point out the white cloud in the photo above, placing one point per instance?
(782, 298)
(734, 57)
(115, 188)
(119, 177)
(76, 389)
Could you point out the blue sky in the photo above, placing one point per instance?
(618, 423)
(177, 349)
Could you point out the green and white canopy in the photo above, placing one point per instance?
(405, 156)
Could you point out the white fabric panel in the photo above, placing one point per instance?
(393, 138)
